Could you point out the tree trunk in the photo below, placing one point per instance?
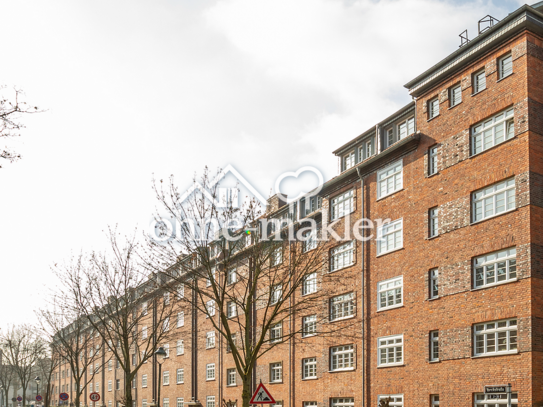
(246, 392)
(127, 391)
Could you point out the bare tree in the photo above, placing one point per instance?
(45, 369)
(22, 348)
(120, 305)
(7, 378)
(253, 275)
(11, 110)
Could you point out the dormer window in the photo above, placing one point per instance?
(348, 161)
(406, 128)
(367, 149)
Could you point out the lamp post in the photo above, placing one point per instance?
(160, 353)
(37, 380)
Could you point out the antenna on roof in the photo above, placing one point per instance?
(463, 38)
(487, 22)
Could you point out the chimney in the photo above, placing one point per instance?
(274, 203)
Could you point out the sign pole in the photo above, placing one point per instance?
(509, 395)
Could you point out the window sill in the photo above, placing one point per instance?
(480, 91)
(473, 155)
(432, 118)
(392, 193)
(452, 107)
(432, 175)
(391, 365)
(345, 214)
(493, 216)
(309, 336)
(351, 369)
(495, 284)
(391, 307)
(515, 352)
(309, 378)
(231, 385)
(210, 380)
(390, 251)
(435, 361)
(342, 319)
(434, 298)
(432, 237)
(180, 383)
(344, 267)
(312, 292)
(281, 382)
(505, 77)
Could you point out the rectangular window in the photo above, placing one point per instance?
(493, 200)
(342, 306)
(390, 293)
(342, 402)
(342, 358)
(117, 384)
(494, 338)
(277, 256)
(143, 403)
(310, 241)
(348, 161)
(406, 128)
(433, 222)
(166, 324)
(495, 268)
(210, 307)
(432, 160)
(180, 376)
(166, 298)
(342, 205)
(232, 276)
(109, 385)
(434, 346)
(166, 378)
(390, 237)
(310, 404)
(276, 332)
(492, 131)
(309, 326)
(144, 332)
(180, 319)
(494, 400)
(390, 137)
(210, 371)
(390, 350)
(210, 401)
(309, 285)
(109, 365)
(231, 309)
(230, 377)
(367, 149)
(505, 66)
(210, 340)
(309, 368)
(479, 81)
(276, 372)
(166, 349)
(234, 341)
(144, 380)
(144, 308)
(97, 387)
(455, 95)
(165, 402)
(180, 402)
(433, 280)
(181, 291)
(276, 294)
(180, 348)
(434, 400)
(342, 256)
(395, 400)
(433, 108)
(389, 179)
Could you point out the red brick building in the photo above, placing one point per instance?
(446, 298)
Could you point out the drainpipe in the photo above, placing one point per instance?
(364, 294)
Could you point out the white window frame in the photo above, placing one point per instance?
(406, 128)
(166, 349)
(434, 346)
(434, 400)
(210, 340)
(492, 131)
(180, 319)
(433, 108)
(342, 306)
(144, 332)
(309, 321)
(230, 377)
(493, 336)
(166, 378)
(433, 283)
(309, 368)
(310, 241)
(433, 222)
(276, 256)
(180, 376)
(180, 402)
(349, 160)
(453, 93)
(180, 347)
(276, 294)
(166, 298)
(389, 137)
(505, 66)
(310, 404)
(342, 256)
(166, 402)
(386, 287)
(499, 195)
(166, 324)
(210, 401)
(144, 381)
(231, 309)
(181, 291)
(276, 332)
(390, 344)
(110, 385)
(232, 276)
(210, 308)
(276, 372)
(391, 178)
(485, 400)
(342, 402)
(309, 284)
(479, 81)
(342, 205)
(396, 400)
(505, 259)
(432, 160)
(393, 230)
(210, 371)
(342, 358)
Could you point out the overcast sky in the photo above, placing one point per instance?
(136, 88)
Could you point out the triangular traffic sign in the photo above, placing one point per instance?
(262, 396)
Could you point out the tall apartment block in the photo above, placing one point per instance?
(447, 296)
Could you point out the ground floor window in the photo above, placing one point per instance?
(396, 400)
(342, 402)
(494, 400)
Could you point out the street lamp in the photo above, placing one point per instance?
(160, 354)
(37, 379)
